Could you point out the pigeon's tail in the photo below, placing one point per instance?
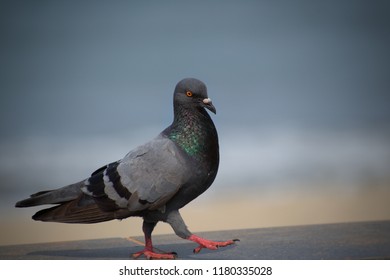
(82, 210)
(73, 206)
(57, 196)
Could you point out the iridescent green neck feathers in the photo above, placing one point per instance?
(194, 133)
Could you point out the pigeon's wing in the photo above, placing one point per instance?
(145, 179)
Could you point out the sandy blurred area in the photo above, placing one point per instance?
(213, 212)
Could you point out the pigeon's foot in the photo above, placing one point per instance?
(212, 245)
(150, 255)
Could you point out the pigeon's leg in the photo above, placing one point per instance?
(178, 225)
(148, 252)
(209, 244)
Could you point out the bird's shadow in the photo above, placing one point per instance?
(184, 251)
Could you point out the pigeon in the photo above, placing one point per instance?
(153, 181)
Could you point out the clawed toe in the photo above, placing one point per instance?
(212, 245)
(150, 255)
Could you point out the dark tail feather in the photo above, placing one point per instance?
(61, 195)
(82, 210)
(74, 206)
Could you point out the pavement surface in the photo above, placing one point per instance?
(363, 240)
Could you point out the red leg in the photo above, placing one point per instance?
(212, 245)
(148, 251)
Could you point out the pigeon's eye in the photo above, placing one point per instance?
(189, 93)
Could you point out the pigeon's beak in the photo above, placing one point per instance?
(209, 105)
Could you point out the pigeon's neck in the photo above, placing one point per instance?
(195, 133)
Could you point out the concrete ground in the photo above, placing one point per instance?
(363, 240)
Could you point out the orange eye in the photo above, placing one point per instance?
(189, 93)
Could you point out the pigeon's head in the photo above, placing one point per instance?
(191, 93)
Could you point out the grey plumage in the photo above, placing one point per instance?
(152, 181)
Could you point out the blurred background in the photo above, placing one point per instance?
(301, 90)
